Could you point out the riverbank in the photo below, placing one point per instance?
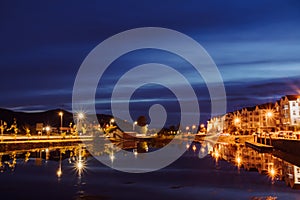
(233, 139)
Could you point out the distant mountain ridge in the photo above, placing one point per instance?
(49, 117)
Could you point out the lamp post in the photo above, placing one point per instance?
(47, 130)
(2, 128)
(187, 129)
(237, 121)
(133, 125)
(111, 121)
(193, 128)
(61, 121)
(80, 117)
(269, 115)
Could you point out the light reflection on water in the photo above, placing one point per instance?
(76, 159)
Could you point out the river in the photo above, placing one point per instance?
(70, 172)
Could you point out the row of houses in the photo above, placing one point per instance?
(283, 115)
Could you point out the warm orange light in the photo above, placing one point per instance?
(61, 114)
(239, 161)
(237, 120)
(194, 148)
(269, 114)
(59, 173)
(216, 154)
(48, 128)
(272, 173)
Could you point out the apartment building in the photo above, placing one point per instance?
(284, 114)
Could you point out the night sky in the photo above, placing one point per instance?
(255, 44)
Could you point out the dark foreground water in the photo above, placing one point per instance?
(36, 175)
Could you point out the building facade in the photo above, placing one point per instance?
(284, 114)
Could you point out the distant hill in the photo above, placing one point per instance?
(49, 117)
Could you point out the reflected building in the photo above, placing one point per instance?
(264, 163)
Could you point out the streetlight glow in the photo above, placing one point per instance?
(80, 115)
(111, 121)
(237, 120)
(269, 114)
(61, 121)
(194, 148)
(187, 128)
(59, 173)
(47, 128)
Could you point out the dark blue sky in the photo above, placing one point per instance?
(255, 44)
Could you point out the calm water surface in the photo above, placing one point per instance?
(228, 172)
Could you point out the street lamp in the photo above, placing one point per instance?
(133, 125)
(47, 130)
(187, 129)
(269, 115)
(3, 125)
(80, 117)
(61, 121)
(193, 128)
(237, 120)
(237, 123)
(111, 121)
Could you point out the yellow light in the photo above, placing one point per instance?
(237, 120)
(187, 146)
(202, 125)
(217, 154)
(194, 148)
(269, 114)
(272, 172)
(47, 128)
(187, 128)
(238, 161)
(202, 150)
(60, 113)
(59, 173)
(194, 126)
(80, 166)
(80, 115)
(135, 152)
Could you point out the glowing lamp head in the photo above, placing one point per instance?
(59, 173)
(47, 128)
(80, 115)
(237, 120)
(269, 114)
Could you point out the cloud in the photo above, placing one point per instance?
(255, 45)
